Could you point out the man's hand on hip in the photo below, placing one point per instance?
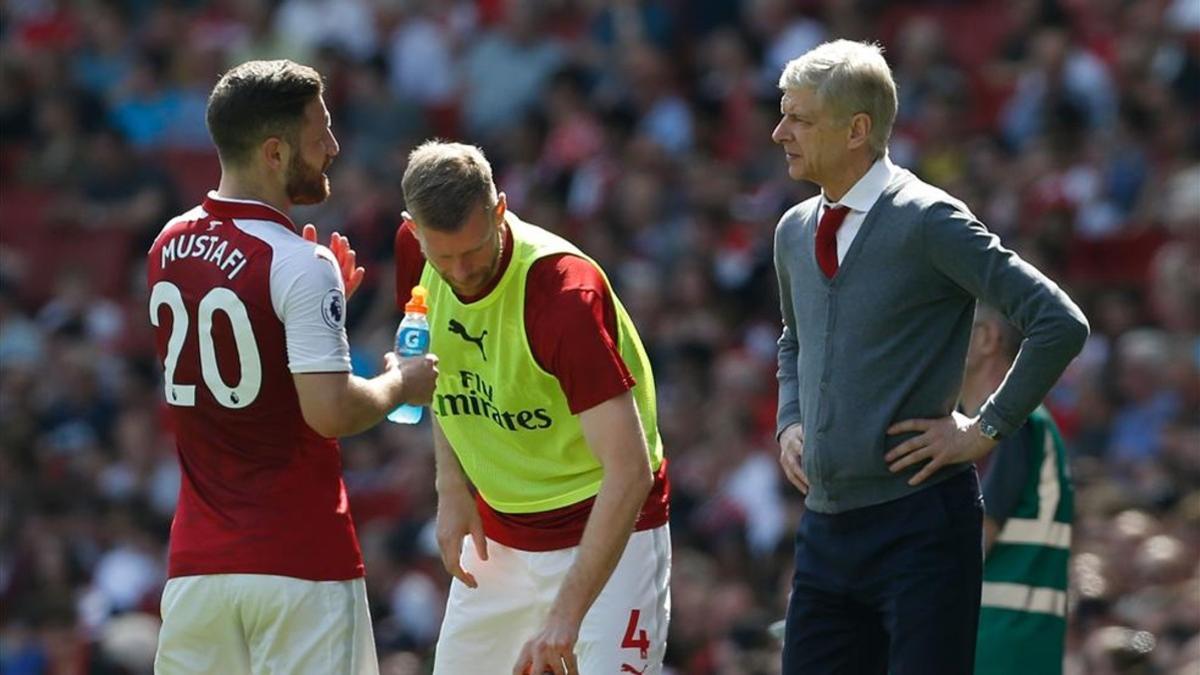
(791, 454)
(947, 440)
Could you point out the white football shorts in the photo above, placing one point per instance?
(625, 631)
(263, 624)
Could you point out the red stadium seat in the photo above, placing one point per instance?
(1123, 259)
(195, 172)
(22, 214)
(48, 249)
(103, 253)
(973, 34)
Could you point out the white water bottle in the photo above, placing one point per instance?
(412, 339)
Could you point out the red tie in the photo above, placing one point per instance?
(827, 238)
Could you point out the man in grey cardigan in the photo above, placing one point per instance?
(878, 280)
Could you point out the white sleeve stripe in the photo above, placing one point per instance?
(307, 296)
(283, 243)
(331, 366)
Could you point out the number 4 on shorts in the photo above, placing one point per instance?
(635, 638)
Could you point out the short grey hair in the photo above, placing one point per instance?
(1010, 336)
(851, 78)
(444, 181)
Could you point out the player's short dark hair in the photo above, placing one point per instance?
(444, 181)
(256, 101)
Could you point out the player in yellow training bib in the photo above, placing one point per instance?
(548, 454)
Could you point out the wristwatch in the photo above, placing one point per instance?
(989, 430)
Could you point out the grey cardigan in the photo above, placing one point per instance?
(886, 339)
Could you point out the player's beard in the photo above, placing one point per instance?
(306, 185)
(478, 281)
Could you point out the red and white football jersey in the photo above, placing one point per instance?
(240, 302)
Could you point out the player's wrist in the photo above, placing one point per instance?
(984, 437)
(564, 611)
(394, 383)
(450, 485)
(787, 430)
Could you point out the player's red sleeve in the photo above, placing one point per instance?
(572, 326)
(409, 263)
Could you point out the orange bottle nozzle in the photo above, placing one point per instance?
(417, 302)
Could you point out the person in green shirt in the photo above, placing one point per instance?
(1028, 509)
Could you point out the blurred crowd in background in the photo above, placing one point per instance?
(640, 129)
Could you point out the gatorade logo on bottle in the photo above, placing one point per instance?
(413, 340)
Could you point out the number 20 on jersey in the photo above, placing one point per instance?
(216, 300)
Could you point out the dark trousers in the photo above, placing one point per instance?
(891, 588)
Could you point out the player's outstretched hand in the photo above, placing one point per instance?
(419, 376)
(552, 650)
(457, 518)
(352, 274)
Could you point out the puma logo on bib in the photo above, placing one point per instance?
(461, 331)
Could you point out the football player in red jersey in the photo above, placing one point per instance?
(549, 460)
(265, 572)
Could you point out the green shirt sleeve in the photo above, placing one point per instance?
(1005, 478)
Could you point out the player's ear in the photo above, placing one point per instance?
(860, 130)
(274, 153)
(989, 336)
(418, 233)
(500, 209)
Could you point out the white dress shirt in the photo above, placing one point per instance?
(860, 199)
